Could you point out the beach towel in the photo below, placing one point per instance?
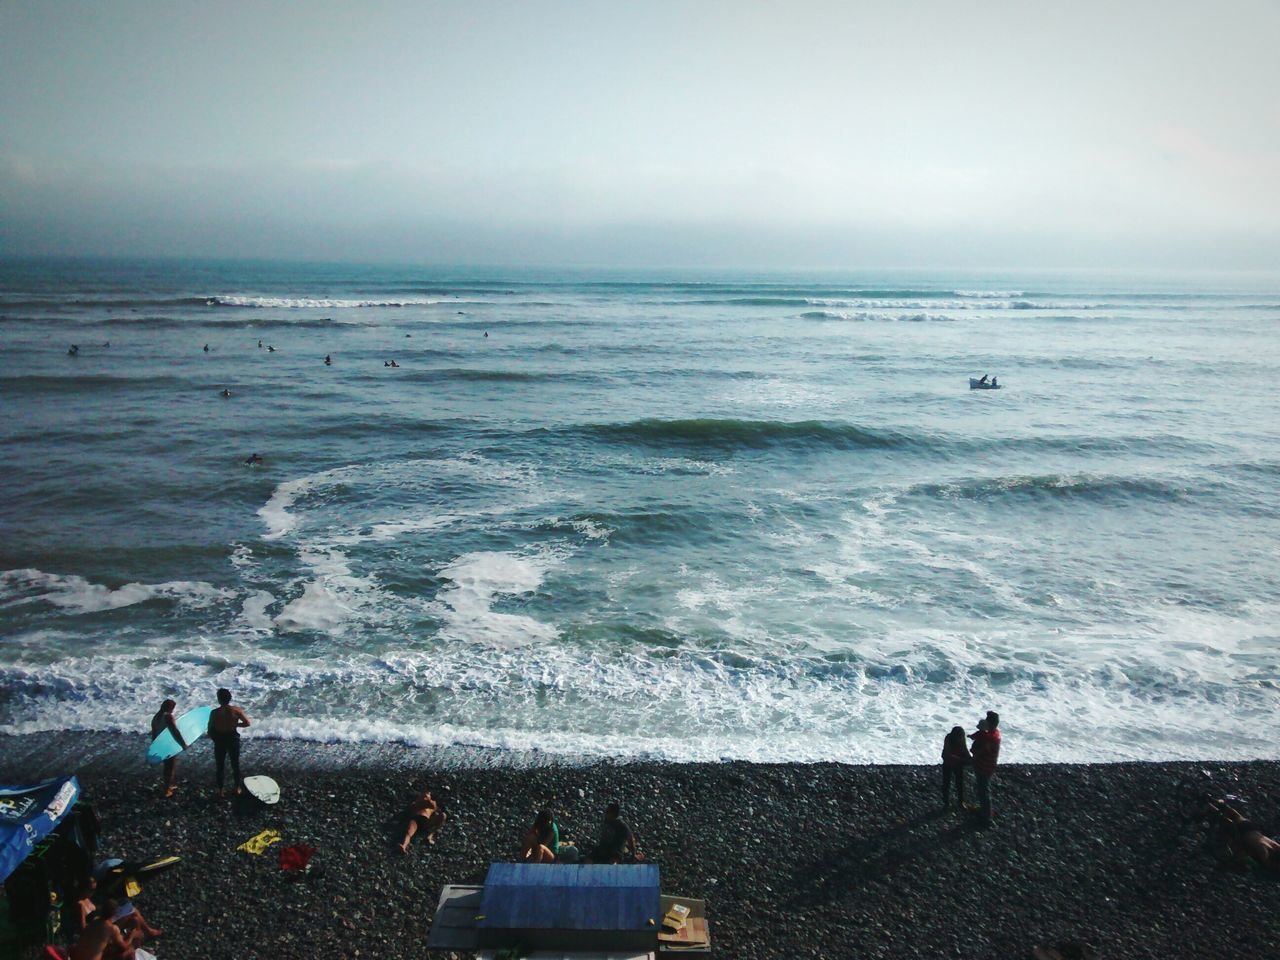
(257, 845)
(296, 857)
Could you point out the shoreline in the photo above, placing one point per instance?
(794, 860)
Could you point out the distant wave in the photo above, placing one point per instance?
(80, 382)
(863, 316)
(321, 303)
(1066, 486)
(499, 376)
(745, 433)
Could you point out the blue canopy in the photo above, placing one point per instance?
(28, 813)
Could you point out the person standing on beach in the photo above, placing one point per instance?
(162, 721)
(955, 757)
(224, 730)
(986, 753)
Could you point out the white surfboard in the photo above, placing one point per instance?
(263, 789)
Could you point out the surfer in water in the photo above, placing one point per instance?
(327, 361)
(162, 721)
(253, 459)
(224, 730)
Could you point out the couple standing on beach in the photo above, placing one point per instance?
(224, 730)
(983, 756)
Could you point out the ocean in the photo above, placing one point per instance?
(673, 515)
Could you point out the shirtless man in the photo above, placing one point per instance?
(224, 730)
(162, 721)
(102, 938)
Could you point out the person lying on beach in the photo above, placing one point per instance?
(1245, 839)
(162, 721)
(426, 814)
(617, 842)
(101, 938)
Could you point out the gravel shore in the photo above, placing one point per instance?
(819, 860)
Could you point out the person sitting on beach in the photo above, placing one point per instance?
(101, 938)
(84, 904)
(617, 842)
(224, 730)
(1245, 839)
(541, 841)
(955, 757)
(162, 721)
(426, 814)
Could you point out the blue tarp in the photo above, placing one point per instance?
(28, 813)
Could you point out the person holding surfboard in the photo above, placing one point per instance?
(162, 721)
(224, 730)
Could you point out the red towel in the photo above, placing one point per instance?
(296, 857)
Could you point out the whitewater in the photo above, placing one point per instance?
(649, 515)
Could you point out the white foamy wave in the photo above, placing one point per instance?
(275, 512)
(316, 609)
(320, 303)
(477, 580)
(254, 611)
(687, 705)
(77, 595)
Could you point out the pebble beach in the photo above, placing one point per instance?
(794, 860)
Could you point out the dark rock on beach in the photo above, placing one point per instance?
(793, 860)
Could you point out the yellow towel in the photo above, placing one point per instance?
(258, 845)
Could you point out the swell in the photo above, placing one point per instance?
(748, 434)
(98, 381)
(1095, 488)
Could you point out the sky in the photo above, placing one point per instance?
(737, 134)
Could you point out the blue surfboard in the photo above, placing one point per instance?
(194, 724)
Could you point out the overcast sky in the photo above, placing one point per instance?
(774, 134)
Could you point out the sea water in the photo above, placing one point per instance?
(673, 515)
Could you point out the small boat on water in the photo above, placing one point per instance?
(976, 384)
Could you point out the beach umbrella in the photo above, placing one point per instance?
(27, 815)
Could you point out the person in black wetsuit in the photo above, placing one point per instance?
(224, 730)
(327, 361)
(616, 840)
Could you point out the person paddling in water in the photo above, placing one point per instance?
(224, 730)
(162, 721)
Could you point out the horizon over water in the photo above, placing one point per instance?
(653, 514)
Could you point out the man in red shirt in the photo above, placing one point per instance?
(986, 752)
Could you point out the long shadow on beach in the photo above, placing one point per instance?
(876, 858)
